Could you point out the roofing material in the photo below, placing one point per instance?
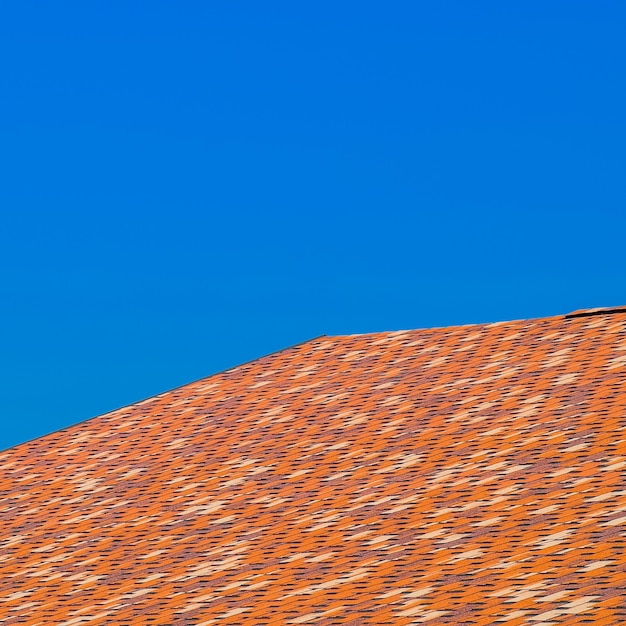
(462, 475)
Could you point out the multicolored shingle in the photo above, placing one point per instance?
(463, 475)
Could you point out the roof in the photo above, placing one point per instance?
(462, 475)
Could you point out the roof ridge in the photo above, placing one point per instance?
(451, 326)
(573, 314)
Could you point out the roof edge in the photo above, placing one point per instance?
(156, 395)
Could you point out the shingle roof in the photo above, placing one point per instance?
(463, 475)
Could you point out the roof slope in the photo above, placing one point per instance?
(464, 475)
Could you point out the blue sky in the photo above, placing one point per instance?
(186, 186)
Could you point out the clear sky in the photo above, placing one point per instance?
(189, 185)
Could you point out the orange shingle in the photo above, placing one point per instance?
(463, 475)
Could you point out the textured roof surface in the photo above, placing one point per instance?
(464, 475)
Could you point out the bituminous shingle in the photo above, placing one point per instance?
(462, 475)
